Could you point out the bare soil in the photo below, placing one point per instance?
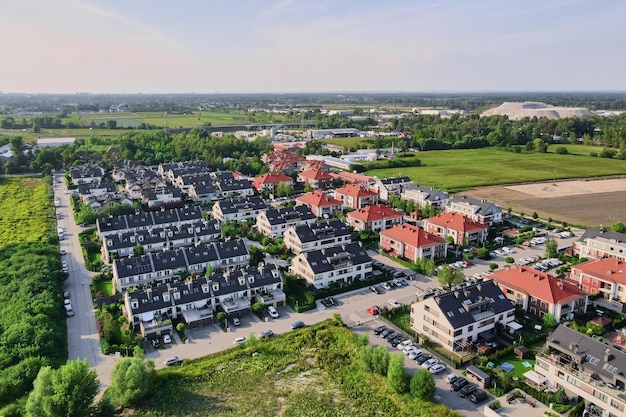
(579, 202)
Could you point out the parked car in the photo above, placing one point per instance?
(394, 303)
(66, 294)
(174, 360)
(385, 333)
(406, 343)
(391, 336)
(333, 301)
(239, 341)
(379, 330)
(272, 312)
(372, 310)
(266, 333)
(297, 324)
(67, 302)
(386, 286)
(63, 252)
(236, 321)
(450, 378)
(429, 363)
(156, 343)
(466, 390)
(375, 289)
(459, 383)
(478, 396)
(415, 354)
(437, 368)
(167, 339)
(423, 358)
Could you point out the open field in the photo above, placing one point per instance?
(26, 212)
(585, 203)
(360, 143)
(458, 170)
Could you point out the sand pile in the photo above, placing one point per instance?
(517, 110)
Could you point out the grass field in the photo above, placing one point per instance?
(361, 143)
(26, 212)
(458, 170)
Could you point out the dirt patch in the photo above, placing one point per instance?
(584, 203)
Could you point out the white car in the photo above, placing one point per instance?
(437, 368)
(409, 349)
(394, 303)
(507, 249)
(429, 363)
(272, 312)
(404, 344)
(386, 286)
(416, 354)
(450, 378)
(167, 339)
(239, 341)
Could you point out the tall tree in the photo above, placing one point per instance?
(67, 391)
(423, 385)
(130, 381)
(449, 277)
(397, 377)
(551, 249)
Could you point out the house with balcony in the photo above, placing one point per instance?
(315, 236)
(147, 220)
(585, 368)
(354, 196)
(601, 243)
(343, 263)
(240, 210)
(605, 276)
(481, 211)
(121, 245)
(270, 181)
(171, 171)
(387, 187)
(320, 203)
(425, 196)
(316, 178)
(172, 266)
(274, 222)
(461, 229)
(539, 293)
(374, 218)
(161, 196)
(86, 174)
(412, 243)
(459, 319)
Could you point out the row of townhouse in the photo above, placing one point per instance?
(196, 301)
(161, 195)
(425, 196)
(213, 186)
(147, 220)
(274, 222)
(86, 173)
(271, 180)
(336, 264)
(461, 318)
(539, 293)
(480, 211)
(168, 266)
(585, 368)
(240, 210)
(316, 236)
(172, 170)
(119, 245)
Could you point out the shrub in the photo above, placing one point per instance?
(495, 405)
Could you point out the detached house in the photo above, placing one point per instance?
(274, 222)
(271, 180)
(161, 196)
(374, 218)
(240, 210)
(601, 243)
(355, 197)
(342, 263)
(426, 196)
(320, 204)
(391, 186)
(412, 243)
(458, 319)
(463, 230)
(606, 277)
(539, 293)
(318, 235)
(480, 211)
(87, 173)
(316, 178)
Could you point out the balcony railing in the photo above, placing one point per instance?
(154, 326)
(271, 297)
(232, 305)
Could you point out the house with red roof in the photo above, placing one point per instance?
(354, 178)
(463, 230)
(270, 181)
(315, 177)
(606, 277)
(310, 164)
(540, 293)
(412, 243)
(374, 218)
(354, 196)
(283, 161)
(319, 203)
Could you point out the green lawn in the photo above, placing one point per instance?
(106, 287)
(520, 369)
(457, 170)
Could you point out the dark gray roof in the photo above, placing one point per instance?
(329, 259)
(396, 180)
(462, 307)
(321, 230)
(134, 265)
(152, 193)
(595, 358)
(244, 204)
(227, 185)
(156, 235)
(229, 283)
(139, 220)
(288, 214)
(232, 248)
(593, 232)
(483, 205)
(85, 171)
(222, 175)
(150, 299)
(202, 254)
(150, 218)
(173, 259)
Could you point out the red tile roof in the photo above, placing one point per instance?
(412, 235)
(355, 178)
(315, 174)
(456, 221)
(607, 269)
(318, 199)
(355, 191)
(271, 178)
(373, 213)
(537, 284)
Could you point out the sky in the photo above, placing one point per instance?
(283, 46)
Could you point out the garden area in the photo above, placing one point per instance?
(90, 245)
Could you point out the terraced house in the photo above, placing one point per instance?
(145, 221)
(315, 236)
(172, 266)
(274, 222)
(240, 210)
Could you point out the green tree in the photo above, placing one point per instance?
(549, 321)
(493, 266)
(423, 385)
(180, 327)
(483, 253)
(258, 307)
(138, 250)
(618, 227)
(540, 146)
(449, 277)
(130, 381)
(535, 215)
(283, 189)
(221, 317)
(551, 249)
(67, 391)
(397, 377)
(509, 260)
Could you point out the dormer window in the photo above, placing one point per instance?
(166, 297)
(216, 287)
(242, 281)
(251, 279)
(176, 295)
(134, 304)
(205, 288)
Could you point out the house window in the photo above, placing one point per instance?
(594, 282)
(600, 395)
(543, 304)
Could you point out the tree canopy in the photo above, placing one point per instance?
(130, 381)
(449, 277)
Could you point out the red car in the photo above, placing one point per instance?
(373, 310)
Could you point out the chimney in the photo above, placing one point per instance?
(607, 354)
